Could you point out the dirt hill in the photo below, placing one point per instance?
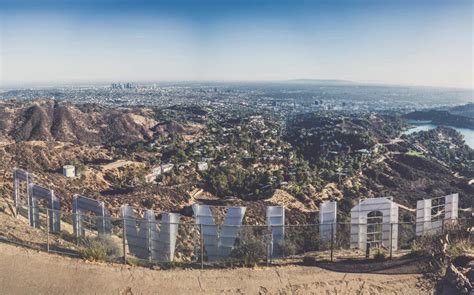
(60, 121)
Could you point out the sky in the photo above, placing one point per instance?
(416, 42)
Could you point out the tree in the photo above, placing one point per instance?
(181, 155)
(79, 166)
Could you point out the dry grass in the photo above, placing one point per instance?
(99, 249)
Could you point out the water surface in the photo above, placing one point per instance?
(467, 133)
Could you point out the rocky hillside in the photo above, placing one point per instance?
(251, 163)
(58, 121)
(371, 160)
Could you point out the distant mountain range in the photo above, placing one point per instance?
(322, 81)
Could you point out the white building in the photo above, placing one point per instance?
(202, 166)
(69, 171)
(166, 168)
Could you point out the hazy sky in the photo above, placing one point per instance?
(402, 42)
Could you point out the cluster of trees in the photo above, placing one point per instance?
(233, 180)
(177, 152)
(318, 149)
(80, 167)
(127, 178)
(253, 184)
(453, 150)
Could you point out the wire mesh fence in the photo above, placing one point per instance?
(148, 242)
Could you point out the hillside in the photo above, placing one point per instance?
(65, 122)
(442, 118)
(249, 159)
(365, 156)
(466, 110)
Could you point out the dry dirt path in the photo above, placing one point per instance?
(25, 271)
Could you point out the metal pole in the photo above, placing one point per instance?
(305, 239)
(78, 221)
(267, 241)
(149, 239)
(29, 201)
(76, 218)
(103, 218)
(201, 246)
(124, 242)
(47, 229)
(16, 193)
(391, 240)
(271, 246)
(332, 242)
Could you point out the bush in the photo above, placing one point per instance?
(133, 261)
(99, 249)
(286, 248)
(439, 249)
(148, 203)
(309, 260)
(458, 249)
(380, 254)
(250, 247)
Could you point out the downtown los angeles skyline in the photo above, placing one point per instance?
(398, 42)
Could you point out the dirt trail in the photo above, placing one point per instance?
(25, 271)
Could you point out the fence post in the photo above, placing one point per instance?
(442, 226)
(268, 241)
(124, 242)
(271, 246)
(391, 240)
(303, 233)
(332, 242)
(201, 246)
(15, 195)
(28, 202)
(149, 240)
(77, 220)
(47, 229)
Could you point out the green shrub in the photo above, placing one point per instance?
(250, 247)
(286, 248)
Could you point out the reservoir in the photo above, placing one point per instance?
(467, 133)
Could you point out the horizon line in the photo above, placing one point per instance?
(103, 82)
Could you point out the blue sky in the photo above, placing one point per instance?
(399, 42)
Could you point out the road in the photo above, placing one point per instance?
(26, 271)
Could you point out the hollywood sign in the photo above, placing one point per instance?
(143, 238)
(374, 222)
(432, 214)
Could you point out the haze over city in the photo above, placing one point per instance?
(395, 42)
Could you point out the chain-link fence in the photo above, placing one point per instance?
(164, 243)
